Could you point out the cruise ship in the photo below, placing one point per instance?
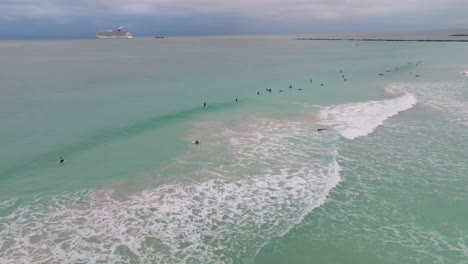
(121, 32)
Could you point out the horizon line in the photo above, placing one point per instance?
(248, 34)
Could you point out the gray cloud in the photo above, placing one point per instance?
(323, 9)
(23, 18)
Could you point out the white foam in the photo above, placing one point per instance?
(279, 172)
(360, 119)
(446, 97)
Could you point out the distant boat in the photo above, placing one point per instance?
(120, 33)
(159, 37)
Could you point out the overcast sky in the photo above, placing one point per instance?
(81, 18)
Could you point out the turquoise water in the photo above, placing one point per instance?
(387, 182)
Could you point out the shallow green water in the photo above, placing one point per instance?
(385, 183)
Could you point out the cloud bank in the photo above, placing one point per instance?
(286, 14)
(331, 9)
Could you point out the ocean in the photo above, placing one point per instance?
(386, 181)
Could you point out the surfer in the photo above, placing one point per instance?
(236, 99)
(258, 93)
(290, 86)
(204, 104)
(321, 129)
(61, 161)
(196, 142)
(321, 84)
(310, 80)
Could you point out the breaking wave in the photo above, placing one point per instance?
(279, 171)
(360, 119)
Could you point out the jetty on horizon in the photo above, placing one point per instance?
(385, 39)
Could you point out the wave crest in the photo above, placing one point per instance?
(360, 119)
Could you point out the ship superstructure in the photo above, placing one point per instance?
(121, 32)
